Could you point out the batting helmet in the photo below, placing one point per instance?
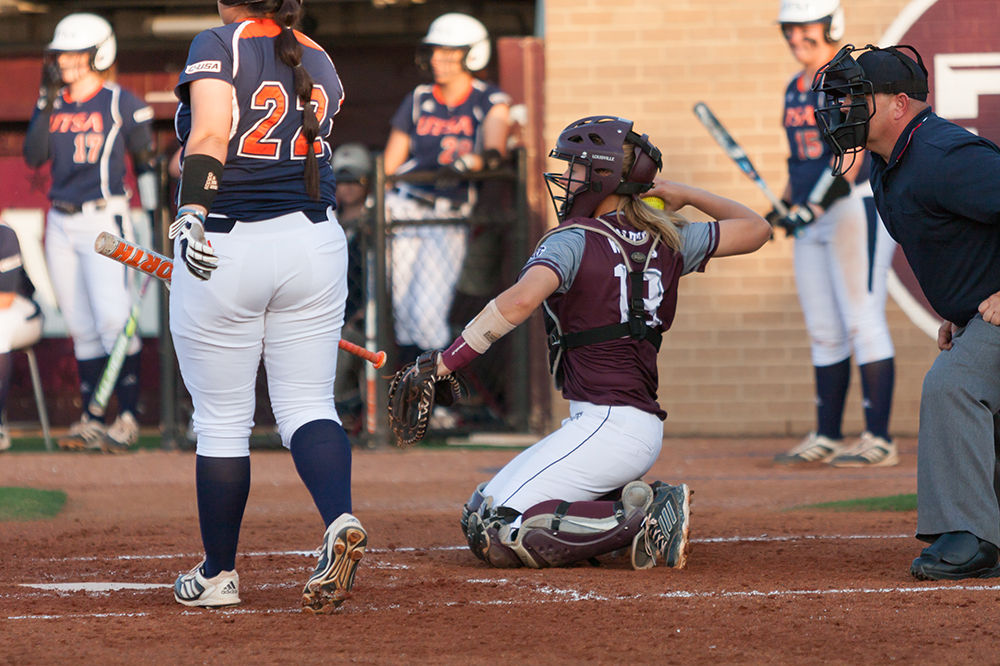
(598, 144)
(352, 162)
(86, 33)
(814, 11)
(457, 31)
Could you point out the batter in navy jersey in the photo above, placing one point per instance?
(607, 279)
(266, 278)
(20, 317)
(842, 259)
(457, 123)
(84, 125)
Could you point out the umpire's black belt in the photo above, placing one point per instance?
(70, 208)
(223, 225)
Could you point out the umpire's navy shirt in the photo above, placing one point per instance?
(939, 197)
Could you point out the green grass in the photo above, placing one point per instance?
(906, 502)
(29, 503)
(153, 442)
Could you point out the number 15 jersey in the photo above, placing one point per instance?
(263, 176)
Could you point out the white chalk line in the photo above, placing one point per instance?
(550, 594)
(763, 538)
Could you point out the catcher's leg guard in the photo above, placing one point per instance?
(472, 506)
(551, 536)
(472, 535)
(488, 537)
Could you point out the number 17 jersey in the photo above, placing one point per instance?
(263, 175)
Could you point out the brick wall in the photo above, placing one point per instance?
(737, 359)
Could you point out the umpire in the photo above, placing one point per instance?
(937, 188)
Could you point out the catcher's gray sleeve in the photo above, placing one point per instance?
(699, 241)
(562, 252)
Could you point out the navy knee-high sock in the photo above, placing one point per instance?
(832, 382)
(90, 371)
(877, 382)
(127, 388)
(322, 455)
(223, 486)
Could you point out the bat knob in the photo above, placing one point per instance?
(379, 360)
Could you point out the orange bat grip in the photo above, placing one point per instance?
(375, 358)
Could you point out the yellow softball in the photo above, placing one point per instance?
(654, 202)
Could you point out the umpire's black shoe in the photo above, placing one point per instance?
(957, 555)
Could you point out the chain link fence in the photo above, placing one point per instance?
(442, 269)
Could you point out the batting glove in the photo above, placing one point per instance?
(798, 218)
(197, 253)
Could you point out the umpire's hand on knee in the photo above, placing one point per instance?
(196, 251)
(945, 332)
(990, 309)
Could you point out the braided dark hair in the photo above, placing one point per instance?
(286, 13)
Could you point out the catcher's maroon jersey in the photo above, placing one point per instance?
(594, 293)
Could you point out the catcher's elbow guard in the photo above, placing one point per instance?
(487, 327)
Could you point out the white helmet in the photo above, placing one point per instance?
(815, 11)
(87, 32)
(352, 162)
(461, 30)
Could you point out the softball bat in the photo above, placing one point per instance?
(156, 265)
(113, 366)
(736, 154)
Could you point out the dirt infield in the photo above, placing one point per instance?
(766, 582)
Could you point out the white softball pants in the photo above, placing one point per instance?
(91, 290)
(425, 264)
(278, 294)
(840, 272)
(18, 328)
(598, 449)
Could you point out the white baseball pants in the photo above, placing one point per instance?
(278, 294)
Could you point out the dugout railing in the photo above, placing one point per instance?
(499, 381)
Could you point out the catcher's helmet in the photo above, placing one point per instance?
(457, 31)
(352, 162)
(598, 143)
(847, 84)
(814, 11)
(86, 33)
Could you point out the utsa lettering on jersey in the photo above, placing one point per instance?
(454, 124)
(606, 279)
(83, 125)
(842, 259)
(266, 280)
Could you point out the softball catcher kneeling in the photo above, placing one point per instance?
(606, 278)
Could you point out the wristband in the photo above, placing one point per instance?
(458, 355)
(200, 178)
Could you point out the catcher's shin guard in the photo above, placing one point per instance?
(487, 541)
(469, 508)
(555, 538)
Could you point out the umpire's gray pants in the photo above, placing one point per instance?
(958, 479)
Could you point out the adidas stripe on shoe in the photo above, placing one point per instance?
(193, 589)
(343, 547)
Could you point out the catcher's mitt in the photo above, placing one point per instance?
(414, 391)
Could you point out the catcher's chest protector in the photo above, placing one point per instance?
(636, 263)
